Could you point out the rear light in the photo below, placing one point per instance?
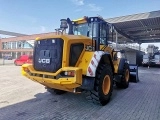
(26, 69)
(69, 73)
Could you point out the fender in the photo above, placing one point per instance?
(106, 59)
(99, 57)
(121, 65)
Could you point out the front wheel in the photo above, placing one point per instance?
(125, 77)
(103, 85)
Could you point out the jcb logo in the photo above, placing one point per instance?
(89, 48)
(47, 61)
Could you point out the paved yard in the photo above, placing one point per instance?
(6, 62)
(22, 99)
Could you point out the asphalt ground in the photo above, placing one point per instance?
(23, 99)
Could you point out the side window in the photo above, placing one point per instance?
(103, 34)
(75, 52)
(93, 30)
(75, 29)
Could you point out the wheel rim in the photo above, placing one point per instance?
(127, 75)
(106, 85)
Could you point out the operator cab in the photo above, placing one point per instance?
(93, 27)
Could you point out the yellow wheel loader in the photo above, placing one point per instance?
(80, 61)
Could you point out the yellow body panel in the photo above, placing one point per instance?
(63, 83)
(84, 61)
(107, 49)
(116, 65)
(112, 53)
(68, 40)
(80, 21)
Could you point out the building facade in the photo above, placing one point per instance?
(16, 46)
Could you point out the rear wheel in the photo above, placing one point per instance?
(144, 65)
(125, 77)
(55, 91)
(103, 86)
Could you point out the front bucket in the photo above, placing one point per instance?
(133, 73)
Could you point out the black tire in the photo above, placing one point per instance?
(144, 65)
(15, 64)
(55, 91)
(102, 94)
(124, 78)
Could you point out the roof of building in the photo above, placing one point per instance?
(11, 33)
(27, 37)
(141, 28)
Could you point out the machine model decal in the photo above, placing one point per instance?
(47, 61)
(91, 70)
(89, 48)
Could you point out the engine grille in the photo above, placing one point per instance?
(48, 55)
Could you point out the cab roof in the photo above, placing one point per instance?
(84, 19)
(70, 37)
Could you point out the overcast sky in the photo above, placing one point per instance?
(39, 16)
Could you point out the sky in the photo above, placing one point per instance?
(41, 16)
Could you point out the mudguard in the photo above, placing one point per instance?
(133, 73)
(98, 57)
(121, 65)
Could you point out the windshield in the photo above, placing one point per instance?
(91, 30)
(80, 29)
